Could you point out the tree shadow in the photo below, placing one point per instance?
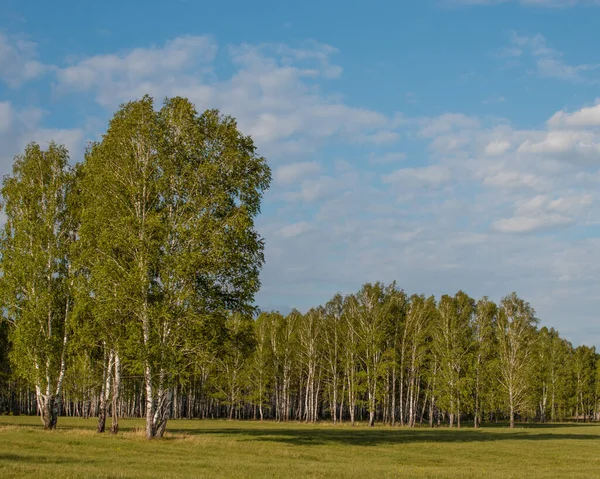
(376, 437)
(553, 425)
(32, 459)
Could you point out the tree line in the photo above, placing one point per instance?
(127, 288)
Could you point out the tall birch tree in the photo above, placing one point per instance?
(172, 196)
(516, 325)
(36, 286)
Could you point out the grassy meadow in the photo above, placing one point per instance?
(253, 449)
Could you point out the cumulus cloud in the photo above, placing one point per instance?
(433, 175)
(584, 118)
(525, 224)
(548, 62)
(507, 179)
(20, 126)
(497, 147)
(295, 229)
(272, 93)
(18, 60)
(577, 143)
(289, 174)
(123, 76)
(446, 123)
(6, 114)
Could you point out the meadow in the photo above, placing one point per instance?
(221, 448)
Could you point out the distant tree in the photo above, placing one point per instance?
(550, 368)
(260, 369)
(516, 336)
(351, 360)
(394, 336)
(584, 367)
(484, 331)
(418, 324)
(333, 332)
(231, 370)
(369, 310)
(310, 334)
(453, 343)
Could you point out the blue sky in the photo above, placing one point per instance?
(445, 144)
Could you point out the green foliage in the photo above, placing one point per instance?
(36, 286)
(168, 234)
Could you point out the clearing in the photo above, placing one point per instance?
(253, 449)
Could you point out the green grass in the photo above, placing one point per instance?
(254, 449)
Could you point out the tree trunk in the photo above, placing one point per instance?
(512, 415)
(393, 406)
(431, 409)
(114, 429)
(149, 402)
(49, 412)
(371, 417)
(372, 399)
(105, 390)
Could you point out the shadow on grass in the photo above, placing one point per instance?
(29, 459)
(327, 434)
(375, 437)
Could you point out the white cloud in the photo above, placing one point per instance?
(18, 127)
(319, 189)
(124, 76)
(526, 224)
(497, 147)
(18, 61)
(289, 174)
(583, 143)
(272, 92)
(6, 115)
(295, 229)
(583, 118)
(446, 123)
(548, 61)
(513, 179)
(433, 175)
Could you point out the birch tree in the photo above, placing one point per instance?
(333, 332)
(37, 279)
(310, 342)
(260, 365)
(177, 194)
(516, 335)
(419, 321)
(231, 365)
(369, 310)
(484, 329)
(453, 344)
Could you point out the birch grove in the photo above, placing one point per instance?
(128, 283)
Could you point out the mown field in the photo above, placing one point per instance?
(253, 449)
